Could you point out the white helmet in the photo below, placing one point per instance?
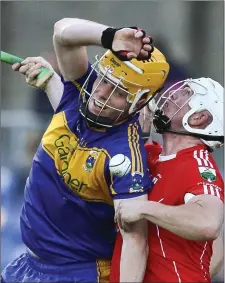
(207, 95)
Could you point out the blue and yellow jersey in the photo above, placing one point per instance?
(68, 211)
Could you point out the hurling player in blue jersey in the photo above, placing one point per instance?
(90, 158)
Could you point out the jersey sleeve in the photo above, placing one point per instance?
(204, 176)
(153, 152)
(71, 92)
(128, 172)
(203, 188)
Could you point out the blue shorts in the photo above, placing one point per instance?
(27, 268)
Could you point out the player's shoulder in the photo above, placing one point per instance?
(198, 155)
(199, 163)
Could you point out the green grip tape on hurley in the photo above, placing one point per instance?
(12, 59)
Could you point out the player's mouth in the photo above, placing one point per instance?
(99, 105)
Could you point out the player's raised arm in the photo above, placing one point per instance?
(72, 35)
(70, 38)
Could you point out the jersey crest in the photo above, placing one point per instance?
(90, 161)
(137, 185)
(208, 174)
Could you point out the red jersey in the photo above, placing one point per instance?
(177, 178)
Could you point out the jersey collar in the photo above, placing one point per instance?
(172, 156)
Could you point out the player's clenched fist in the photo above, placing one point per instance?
(31, 67)
(128, 43)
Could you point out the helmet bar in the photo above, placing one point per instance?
(168, 90)
(180, 107)
(103, 76)
(184, 83)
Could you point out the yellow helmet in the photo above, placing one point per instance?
(140, 79)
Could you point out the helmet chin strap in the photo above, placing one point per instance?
(162, 124)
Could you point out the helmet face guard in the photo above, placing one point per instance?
(98, 119)
(206, 95)
(130, 77)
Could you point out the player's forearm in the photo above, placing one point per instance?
(134, 252)
(188, 221)
(133, 261)
(78, 32)
(54, 90)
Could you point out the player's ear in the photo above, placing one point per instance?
(200, 119)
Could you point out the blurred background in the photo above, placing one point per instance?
(190, 34)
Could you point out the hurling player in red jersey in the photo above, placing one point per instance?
(185, 207)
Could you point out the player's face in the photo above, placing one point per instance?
(101, 101)
(177, 105)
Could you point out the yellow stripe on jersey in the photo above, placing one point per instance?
(135, 143)
(103, 270)
(138, 148)
(78, 86)
(133, 139)
(131, 148)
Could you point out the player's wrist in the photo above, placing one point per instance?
(49, 83)
(107, 37)
(44, 82)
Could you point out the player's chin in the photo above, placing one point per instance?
(169, 111)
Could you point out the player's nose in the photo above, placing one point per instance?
(105, 90)
(173, 95)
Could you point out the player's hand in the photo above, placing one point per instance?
(134, 42)
(128, 213)
(31, 67)
(146, 119)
